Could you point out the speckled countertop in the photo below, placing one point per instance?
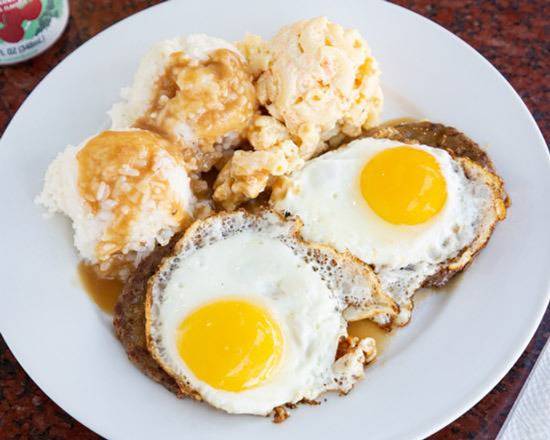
(513, 35)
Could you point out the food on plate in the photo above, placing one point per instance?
(434, 135)
(129, 318)
(125, 192)
(246, 316)
(194, 90)
(247, 174)
(254, 310)
(318, 78)
(412, 211)
(458, 145)
(103, 291)
(321, 82)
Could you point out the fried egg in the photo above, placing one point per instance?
(247, 317)
(405, 209)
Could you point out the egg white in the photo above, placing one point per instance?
(254, 258)
(326, 195)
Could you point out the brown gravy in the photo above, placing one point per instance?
(397, 121)
(366, 328)
(102, 291)
(213, 97)
(104, 166)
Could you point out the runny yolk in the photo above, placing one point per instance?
(404, 185)
(230, 344)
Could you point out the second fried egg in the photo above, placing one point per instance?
(405, 209)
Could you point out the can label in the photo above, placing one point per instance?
(28, 27)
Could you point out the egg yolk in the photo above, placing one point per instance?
(231, 344)
(404, 185)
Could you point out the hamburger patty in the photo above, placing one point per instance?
(434, 135)
(458, 145)
(129, 319)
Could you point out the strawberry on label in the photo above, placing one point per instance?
(28, 27)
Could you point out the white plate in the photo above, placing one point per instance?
(460, 342)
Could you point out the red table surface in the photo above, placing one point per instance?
(513, 35)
